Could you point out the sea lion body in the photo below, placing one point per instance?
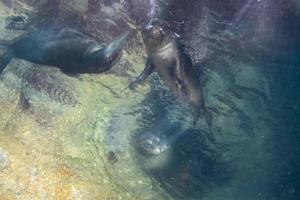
(176, 70)
(174, 66)
(69, 50)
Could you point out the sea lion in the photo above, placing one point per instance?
(71, 51)
(152, 144)
(17, 22)
(174, 66)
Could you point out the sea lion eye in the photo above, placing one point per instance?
(148, 143)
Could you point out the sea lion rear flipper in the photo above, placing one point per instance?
(196, 116)
(69, 33)
(208, 118)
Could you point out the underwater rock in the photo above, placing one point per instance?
(122, 68)
(74, 6)
(4, 160)
(45, 82)
(67, 128)
(138, 10)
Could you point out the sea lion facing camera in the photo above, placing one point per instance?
(69, 50)
(174, 66)
(152, 144)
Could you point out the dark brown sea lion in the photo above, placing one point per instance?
(167, 58)
(71, 51)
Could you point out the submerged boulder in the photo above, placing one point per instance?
(69, 135)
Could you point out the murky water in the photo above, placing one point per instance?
(88, 136)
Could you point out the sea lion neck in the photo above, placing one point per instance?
(165, 43)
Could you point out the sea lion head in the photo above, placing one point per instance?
(108, 56)
(152, 144)
(154, 36)
(104, 59)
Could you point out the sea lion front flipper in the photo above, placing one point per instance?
(3, 63)
(5, 58)
(69, 72)
(143, 76)
(70, 33)
(73, 75)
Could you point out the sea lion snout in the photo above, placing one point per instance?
(110, 59)
(152, 32)
(113, 52)
(153, 36)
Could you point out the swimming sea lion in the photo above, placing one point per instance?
(71, 51)
(166, 56)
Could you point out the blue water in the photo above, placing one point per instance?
(247, 55)
(257, 158)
